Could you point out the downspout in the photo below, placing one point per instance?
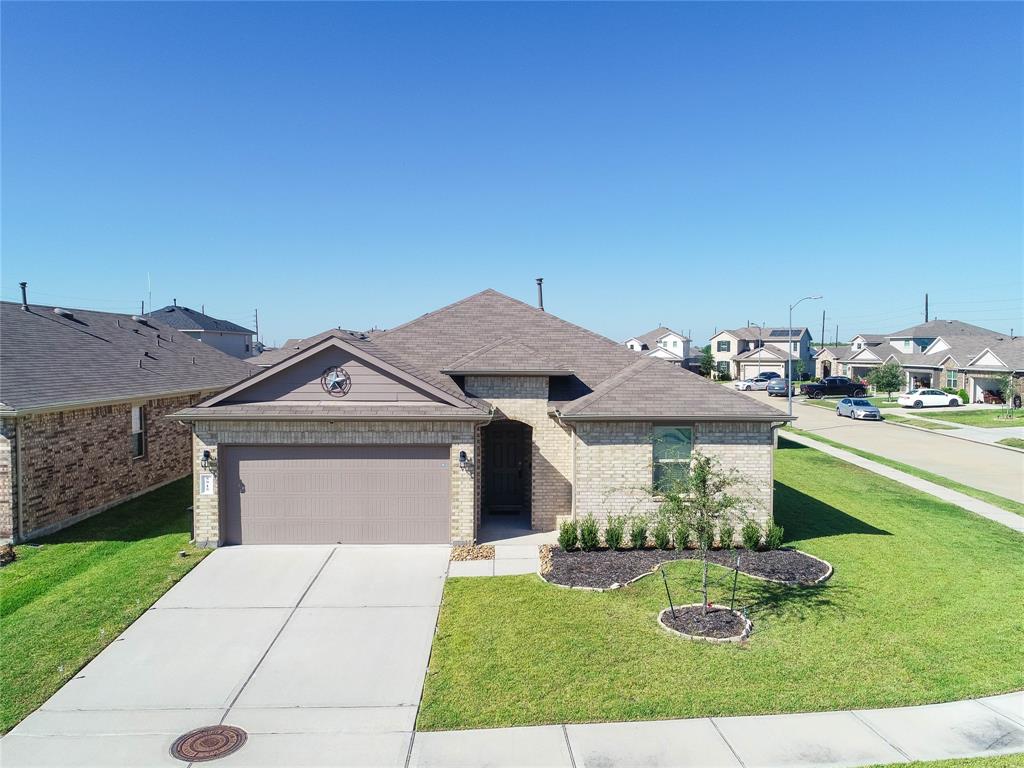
(572, 459)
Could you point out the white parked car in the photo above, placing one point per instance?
(760, 382)
(927, 398)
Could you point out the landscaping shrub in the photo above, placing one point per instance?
(751, 534)
(705, 532)
(724, 377)
(964, 397)
(773, 536)
(726, 531)
(638, 533)
(568, 535)
(614, 531)
(590, 534)
(662, 535)
(682, 536)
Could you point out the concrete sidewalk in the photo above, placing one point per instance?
(974, 728)
(978, 507)
(509, 560)
(989, 436)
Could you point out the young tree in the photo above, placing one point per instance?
(801, 368)
(707, 362)
(887, 378)
(702, 498)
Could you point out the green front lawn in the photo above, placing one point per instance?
(62, 602)
(989, 417)
(922, 608)
(999, 761)
(922, 423)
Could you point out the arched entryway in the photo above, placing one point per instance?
(507, 473)
(826, 369)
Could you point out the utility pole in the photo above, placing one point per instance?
(256, 313)
(837, 334)
(143, 309)
(926, 307)
(789, 350)
(823, 343)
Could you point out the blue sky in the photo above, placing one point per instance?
(697, 165)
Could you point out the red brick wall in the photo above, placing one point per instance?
(80, 461)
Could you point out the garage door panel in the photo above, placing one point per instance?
(329, 494)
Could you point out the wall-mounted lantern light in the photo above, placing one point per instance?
(208, 461)
(463, 460)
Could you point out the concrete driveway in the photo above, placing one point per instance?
(980, 466)
(318, 653)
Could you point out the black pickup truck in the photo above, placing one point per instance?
(840, 386)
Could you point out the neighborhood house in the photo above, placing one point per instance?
(744, 353)
(485, 410)
(84, 400)
(939, 353)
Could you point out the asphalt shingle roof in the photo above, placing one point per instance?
(48, 360)
(649, 340)
(507, 356)
(753, 333)
(186, 319)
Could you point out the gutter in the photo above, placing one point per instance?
(76, 404)
(677, 418)
(215, 416)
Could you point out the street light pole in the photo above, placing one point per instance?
(789, 360)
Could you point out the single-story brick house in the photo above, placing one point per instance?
(488, 409)
(83, 400)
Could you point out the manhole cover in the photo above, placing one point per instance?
(208, 743)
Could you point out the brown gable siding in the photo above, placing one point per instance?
(301, 382)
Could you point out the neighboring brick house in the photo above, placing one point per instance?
(84, 401)
(488, 410)
(939, 353)
(224, 335)
(747, 352)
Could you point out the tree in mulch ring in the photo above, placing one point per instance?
(712, 623)
(7, 555)
(701, 497)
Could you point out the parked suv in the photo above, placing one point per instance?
(778, 387)
(833, 385)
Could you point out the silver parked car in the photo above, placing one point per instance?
(858, 408)
(758, 382)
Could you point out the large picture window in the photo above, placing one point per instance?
(138, 432)
(672, 446)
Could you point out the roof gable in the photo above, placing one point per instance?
(289, 379)
(865, 354)
(986, 359)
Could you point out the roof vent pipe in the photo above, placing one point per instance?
(540, 293)
(24, 296)
(64, 313)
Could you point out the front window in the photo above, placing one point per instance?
(724, 346)
(138, 432)
(723, 366)
(672, 446)
(951, 379)
(795, 346)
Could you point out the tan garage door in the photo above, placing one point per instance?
(394, 494)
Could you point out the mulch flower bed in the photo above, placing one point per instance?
(605, 569)
(7, 555)
(478, 552)
(717, 624)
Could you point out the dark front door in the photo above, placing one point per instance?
(506, 467)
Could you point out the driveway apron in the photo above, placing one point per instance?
(318, 653)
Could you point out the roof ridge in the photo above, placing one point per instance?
(443, 309)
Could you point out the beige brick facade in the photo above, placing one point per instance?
(525, 399)
(76, 463)
(211, 435)
(614, 465)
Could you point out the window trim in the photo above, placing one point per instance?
(140, 433)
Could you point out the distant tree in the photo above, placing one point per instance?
(707, 362)
(801, 368)
(887, 378)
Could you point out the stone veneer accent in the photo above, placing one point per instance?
(210, 435)
(525, 399)
(76, 463)
(614, 462)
